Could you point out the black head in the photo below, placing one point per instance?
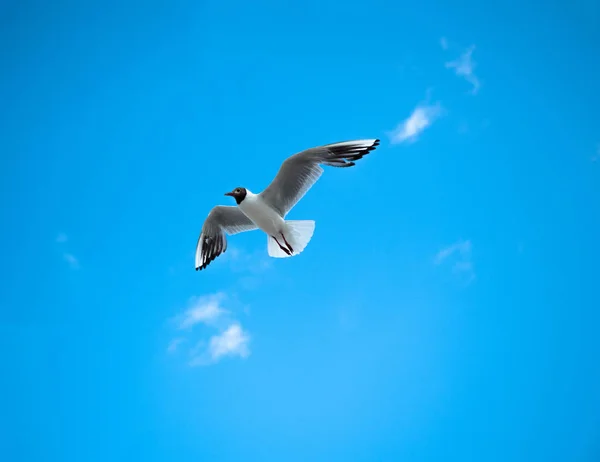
(239, 194)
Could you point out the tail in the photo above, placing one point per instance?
(298, 233)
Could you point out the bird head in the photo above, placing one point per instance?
(239, 194)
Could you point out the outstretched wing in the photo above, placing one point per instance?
(212, 241)
(302, 170)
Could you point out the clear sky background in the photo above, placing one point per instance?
(447, 307)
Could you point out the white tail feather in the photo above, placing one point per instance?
(298, 234)
(301, 232)
(274, 249)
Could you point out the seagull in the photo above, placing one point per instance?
(267, 210)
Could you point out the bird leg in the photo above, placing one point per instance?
(280, 246)
(287, 243)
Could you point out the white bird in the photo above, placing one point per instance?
(266, 211)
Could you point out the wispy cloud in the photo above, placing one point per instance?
(461, 247)
(233, 342)
(71, 260)
(421, 117)
(174, 344)
(230, 341)
(217, 312)
(596, 157)
(206, 309)
(444, 43)
(460, 253)
(464, 66)
(247, 262)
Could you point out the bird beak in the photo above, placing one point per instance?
(229, 194)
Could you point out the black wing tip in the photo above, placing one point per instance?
(210, 259)
(205, 264)
(345, 155)
(374, 145)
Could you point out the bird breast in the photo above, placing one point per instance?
(265, 217)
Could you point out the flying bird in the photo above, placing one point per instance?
(267, 210)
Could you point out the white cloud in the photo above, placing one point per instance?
(62, 238)
(464, 67)
(230, 338)
(461, 253)
(234, 341)
(444, 43)
(596, 157)
(71, 260)
(206, 309)
(421, 118)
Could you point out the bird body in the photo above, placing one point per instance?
(262, 214)
(267, 211)
(284, 238)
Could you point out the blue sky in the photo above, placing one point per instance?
(447, 305)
